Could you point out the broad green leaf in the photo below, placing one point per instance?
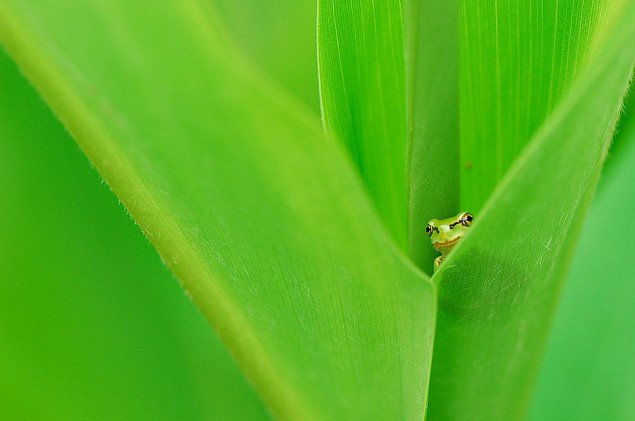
(263, 221)
(432, 94)
(88, 330)
(499, 288)
(518, 59)
(589, 369)
(361, 68)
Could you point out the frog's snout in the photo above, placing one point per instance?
(445, 228)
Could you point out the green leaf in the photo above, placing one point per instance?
(518, 60)
(589, 369)
(88, 330)
(499, 288)
(432, 94)
(266, 224)
(361, 68)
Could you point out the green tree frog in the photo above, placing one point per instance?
(446, 233)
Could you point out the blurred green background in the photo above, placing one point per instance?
(92, 324)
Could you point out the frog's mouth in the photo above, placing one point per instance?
(447, 243)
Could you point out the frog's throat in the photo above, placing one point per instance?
(446, 246)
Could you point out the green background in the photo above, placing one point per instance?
(92, 324)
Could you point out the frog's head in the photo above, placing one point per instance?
(445, 233)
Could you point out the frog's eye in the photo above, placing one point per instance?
(466, 219)
(429, 230)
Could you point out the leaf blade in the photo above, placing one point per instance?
(518, 60)
(361, 71)
(270, 254)
(432, 89)
(497, 298)
(69, 302)
(588, 364)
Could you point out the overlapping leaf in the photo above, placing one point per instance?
(499, 289)
(518, 60)
(589, 367)
(263, 221)
(88, 330)
(432, 95)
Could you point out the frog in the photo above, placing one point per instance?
(446, 233)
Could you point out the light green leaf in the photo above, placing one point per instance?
(589, 369)
(518, 60)
(88, 330)
(432, 95)
(499, 289)
(265, 223)
(361, 69)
